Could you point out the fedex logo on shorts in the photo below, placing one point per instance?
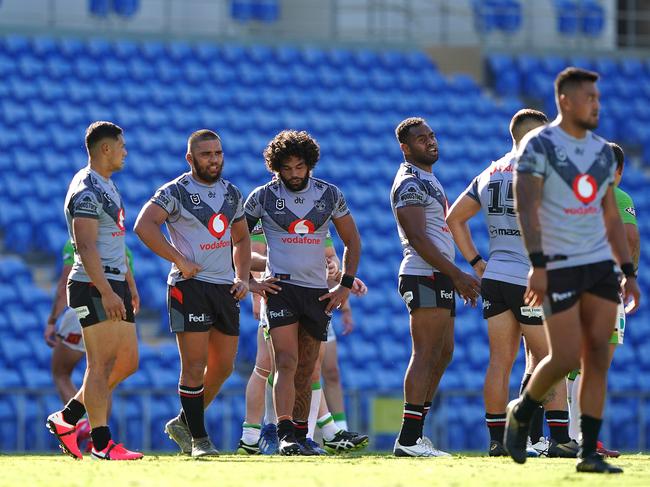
(202, 318)
(562, 296)
(283, 313)
(446, 294)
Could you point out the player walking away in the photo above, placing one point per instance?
(503, 286)
(97, 291)
(568, 217)
(295, 210)
(628, 216)
(209, 237)
(427, 279)
(63, 334)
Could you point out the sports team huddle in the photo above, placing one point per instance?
(561, 273)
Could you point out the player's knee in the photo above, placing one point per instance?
(286, 362)
(446, 354)
(331, 374)
(192, 372)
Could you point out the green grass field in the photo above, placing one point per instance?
(368, 470)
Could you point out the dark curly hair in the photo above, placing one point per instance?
(291, 143)
(402, 130)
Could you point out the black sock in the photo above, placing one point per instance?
(537, 425)
(300, 428)
(425, 411)
(182, 417)
(558, 424)
(496, 424)
(524, 383)
(73, 411)
(590, 428)
(286, 430)
(192, 403)
(411, 424)
(525, 409)
(100, 436)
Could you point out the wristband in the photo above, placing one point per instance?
(628, 269)
(475, 260)
(347, 281)
(538, 259)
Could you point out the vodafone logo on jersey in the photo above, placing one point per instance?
(585, 188)
(120, 224)
(301, 227)
(218, 225)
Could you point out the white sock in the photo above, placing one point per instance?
(316, 392)
(250, 433)
(328, 426)
(573, 397)
(342, 424)
(269, 408)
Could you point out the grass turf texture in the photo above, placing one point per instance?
(369, 470)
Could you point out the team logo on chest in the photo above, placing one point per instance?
(195, 198)
(585, 188)
(301, 227)
(218, 224)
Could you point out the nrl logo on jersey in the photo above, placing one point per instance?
(561, 155)
(279, 204)
(195, 198)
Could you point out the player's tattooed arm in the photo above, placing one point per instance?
(528, 197)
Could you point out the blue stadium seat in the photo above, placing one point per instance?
(126, 8)
(592, 21)
(567, 12)
(100, 8)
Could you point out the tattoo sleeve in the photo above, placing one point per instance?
(308, 348)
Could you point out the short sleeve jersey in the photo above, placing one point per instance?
(68, 255)
(199, 220)
(576, 174)
(414, 187)
(91, 195)
(625, 206)
(296, 226)
(493, 190)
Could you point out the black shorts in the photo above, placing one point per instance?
(299, 304)
(565, 286)
(86, 300)
(500, 296)
(436, 291)
(195, 305)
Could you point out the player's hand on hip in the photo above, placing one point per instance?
(536, 289)
(188, 268)
(332, 268)
(113, 306)
(239, 289)
(264, 286)
(468, 287)
(359, 287)
(336, 296)
(631, 293)
(50, 334)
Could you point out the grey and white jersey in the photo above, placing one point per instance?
(199, 222)
(91, 195)
(414, 187)
(296, 226)
(493, 190)
(576, 174)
